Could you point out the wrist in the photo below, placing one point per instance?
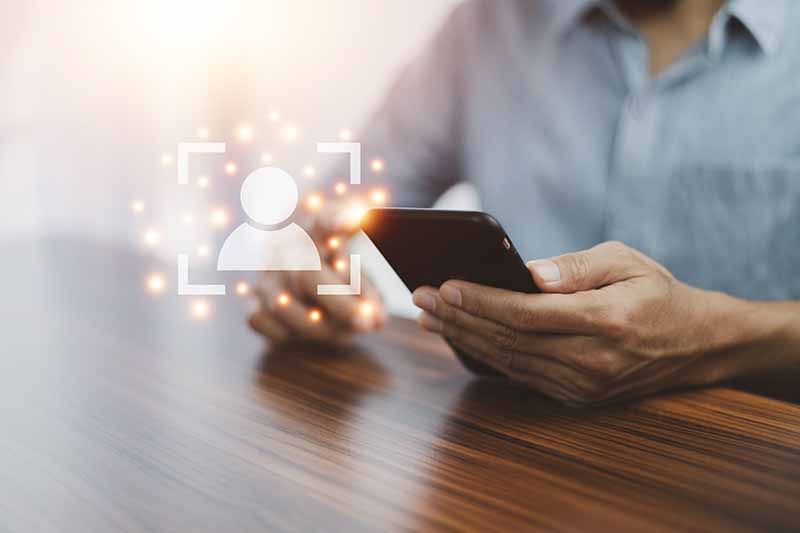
(745, 337)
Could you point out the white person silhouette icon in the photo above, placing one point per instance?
(269, 197)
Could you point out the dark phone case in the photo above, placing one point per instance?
(427, 247)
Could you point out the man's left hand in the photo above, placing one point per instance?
(610, 324)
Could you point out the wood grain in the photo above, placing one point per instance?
(119, 413)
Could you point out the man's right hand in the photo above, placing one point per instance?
(289, 308)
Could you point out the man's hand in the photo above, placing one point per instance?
(611, 324)
(286, 301)
(289, 308)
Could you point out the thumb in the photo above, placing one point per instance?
(604, 264)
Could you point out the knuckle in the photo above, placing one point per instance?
(504, 338)
(602, 366)
(616, 320)
(579, 266)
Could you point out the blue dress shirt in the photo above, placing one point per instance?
(547, 108)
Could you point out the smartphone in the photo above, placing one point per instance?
(431, 246)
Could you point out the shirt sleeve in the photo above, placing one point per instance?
(415, 130)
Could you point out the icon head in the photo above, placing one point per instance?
(269, 196)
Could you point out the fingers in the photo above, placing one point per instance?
(604, 264)
(551, 313)
(357, 313)
(543, 379)
(266, 325)
(301, 321)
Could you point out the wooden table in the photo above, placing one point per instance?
(119, 412)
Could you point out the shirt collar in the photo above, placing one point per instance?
(763, 19)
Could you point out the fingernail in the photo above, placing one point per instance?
(424, 299)
(546, 269)
(450, 295)
(430, 322)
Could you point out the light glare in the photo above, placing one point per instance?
(200, 309)
(152, 237)
(155, 283)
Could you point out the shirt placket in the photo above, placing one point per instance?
(631, 179)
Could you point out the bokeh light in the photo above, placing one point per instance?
(203, 250)
(314, 201)
(219, 217)
(167, 159)
(230, 168)
(188, 218)
(377, 196)
(340, 188)
(137, 207)
(334, 243)
(152, 237)
(367, 309)
(203, 182)
(283, 299)
(345, 134)
(242, 288)
(314, 315)
(200, 309)
(309, 171)
(267, 158)
(377, 165)
(244, 133)
(340, 265)
(274, 115)
(155, 283)
(202, 132)
(291, 133)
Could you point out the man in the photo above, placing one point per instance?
(672, 126)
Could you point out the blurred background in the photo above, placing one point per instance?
(95, 94)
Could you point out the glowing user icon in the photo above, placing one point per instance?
(269, 197)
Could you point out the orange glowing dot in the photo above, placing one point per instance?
(291, 133)
(219, 217)
(334, 243)
(155, 283)
(315, 315)
(152, 237)
(314, 201)
(200, 309)
(340, 265)
(340, 188)
(377, 165)
(230, 168)
(283, 299)
(378, 197)
(367, 309)
(203, 250)
(355, 213)
(345, 134)
(203, 182)
(267, 158)
(137, 207)
(167, 159)
(245, 132)
(242, 288)
(274, 115)
(202, 132)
